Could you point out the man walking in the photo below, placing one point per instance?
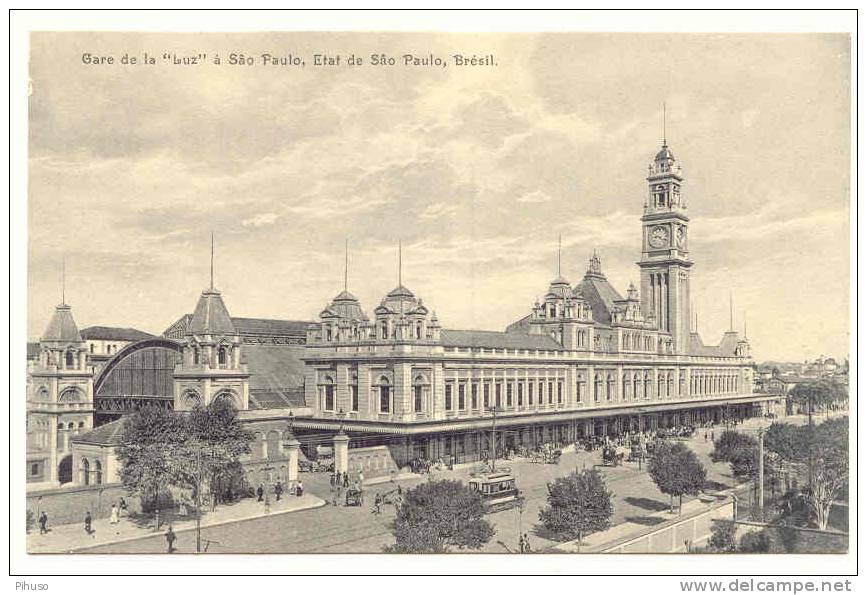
(527, 547)
(170, 540)
(88, 520)
(278, 490)
(260, 491)
(43, 523)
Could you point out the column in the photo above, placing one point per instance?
(292, 446)
(341, 453)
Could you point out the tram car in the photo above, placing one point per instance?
(498, 491)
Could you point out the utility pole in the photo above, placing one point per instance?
(761, 490)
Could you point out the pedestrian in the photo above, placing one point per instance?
(712, 436)
(345, 479)
(115, 515)
(705, 436)
(278, 490)
(260, 491)
(521, 544)
(43, 523)
(182, 506)
(360, 477)
(88, 520)
(299, 489)
(170, 540)
(527, 547)
(122, 508)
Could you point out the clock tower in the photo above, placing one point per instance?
(665, 259)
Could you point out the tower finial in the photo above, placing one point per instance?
(399, 263)
(63, 281)
(212, 260)
(346, 267)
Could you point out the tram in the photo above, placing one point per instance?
(498, 491)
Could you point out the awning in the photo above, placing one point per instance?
(510, 419)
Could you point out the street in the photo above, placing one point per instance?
(357, 530)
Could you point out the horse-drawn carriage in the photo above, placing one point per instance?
(546, 454)
(354, 496)
(611, 457)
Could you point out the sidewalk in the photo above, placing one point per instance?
(68, 538)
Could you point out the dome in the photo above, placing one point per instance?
(346, 306)
(559, 287)
(400, 292)
(664, 154)
(400, 300)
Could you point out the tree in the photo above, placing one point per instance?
(829, 448)
(819, 452)
(722, 536)
(437, 516)
(817, 394)
(729, 443)
(578, 504)
(146, 439)
(676, 471)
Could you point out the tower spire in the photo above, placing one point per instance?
(63, 281)
(731, 314)
(745, 324)
(559, 252)
(212, 260)
(346, 267)
(399, 263)
(664, 143)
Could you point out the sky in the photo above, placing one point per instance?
(476, 169)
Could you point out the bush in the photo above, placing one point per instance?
(755, 542)
(722, 538)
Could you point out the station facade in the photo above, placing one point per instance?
(584, 361)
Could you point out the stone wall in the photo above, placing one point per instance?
(375, 461)
(69, 504)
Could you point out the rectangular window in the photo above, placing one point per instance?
(509, 395)
(474, 395)
(559, 392)
(579, 390)
(34, 469)
(499, 393)
(353, 393)
(462, 398)
(530, 393)
(550, 393)
(520, 394)
(541, 393)
(487, 395)
(448, 397)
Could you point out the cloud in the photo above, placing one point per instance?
(260, 220)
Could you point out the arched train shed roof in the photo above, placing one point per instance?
(143, 368)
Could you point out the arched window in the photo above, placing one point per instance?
(227, 397)
(609, 388)
(660, 381)
(383, 330)
(97, 472)
(221, 356)
(384, 395)
(69, 395)
(418, 330)
(636, 386)
(191, 399)
(85, 472)
(70, 359)
(625, 387)
(670, 384)
(648, 386)
(597, 388)
(419, 392)
(196, 357)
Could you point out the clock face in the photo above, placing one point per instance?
(658, 236)
(680, 236)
